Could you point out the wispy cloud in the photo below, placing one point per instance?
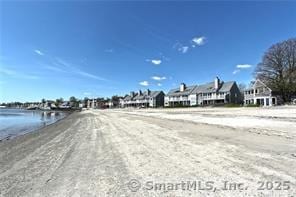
(159, 84)
(180, 47)
(53, 68)
(194, 42)
(183, 49)
(85, 74)
(17, 74)
(163, 57)
(199, 40)
(239, 67)
(236, 71)
(38, 52)
(242, 66)
(158, 78)
(64, 63)
(144, 83)
(73, 69)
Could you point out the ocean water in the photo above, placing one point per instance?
(14, 122)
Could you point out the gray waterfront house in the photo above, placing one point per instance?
(212, 93)
(147, 98)
(260, 94)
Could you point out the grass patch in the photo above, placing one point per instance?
(181, 106)
(252, 105)
(232, 105)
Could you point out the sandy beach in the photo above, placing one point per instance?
(156, 152)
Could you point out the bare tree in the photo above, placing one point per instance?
(278, 68)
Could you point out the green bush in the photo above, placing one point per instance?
(180, 105)
(232, 105)
(252, 105)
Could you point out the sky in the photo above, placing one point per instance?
(103, 48)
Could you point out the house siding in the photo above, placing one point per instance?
(261, 95)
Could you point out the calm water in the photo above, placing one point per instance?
(15, 122)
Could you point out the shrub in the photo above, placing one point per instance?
(252, 105)
(232, 105)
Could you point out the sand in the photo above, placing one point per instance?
(156, 152)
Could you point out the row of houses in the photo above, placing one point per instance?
(213, 93)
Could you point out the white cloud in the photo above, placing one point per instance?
(156, 62)
(199, 40)
(159, 84)
(38, 52)
(144, 83)
(158, 78)
(194, 42)
(242, 66)
(236, 71)
(183, 49)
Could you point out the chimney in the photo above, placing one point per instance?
(217, 83)
(182, 87)
(140, 92)
(148, 92)
(132, 94)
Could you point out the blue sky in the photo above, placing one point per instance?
(94, 48)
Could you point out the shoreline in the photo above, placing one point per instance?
(36, 128)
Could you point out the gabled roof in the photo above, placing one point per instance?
(226, 86)
(257, 83)
(176, 92)
(204, 88)
(210, 87)
(155, 93)
(127, 98)
(144, 95)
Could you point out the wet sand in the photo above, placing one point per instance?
(153, 153)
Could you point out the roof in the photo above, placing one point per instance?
(257, 83)
(176, 92)
(204, 88)
(144, 95)
(127, 98)
(226, 86)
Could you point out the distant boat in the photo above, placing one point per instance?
(2, 106)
